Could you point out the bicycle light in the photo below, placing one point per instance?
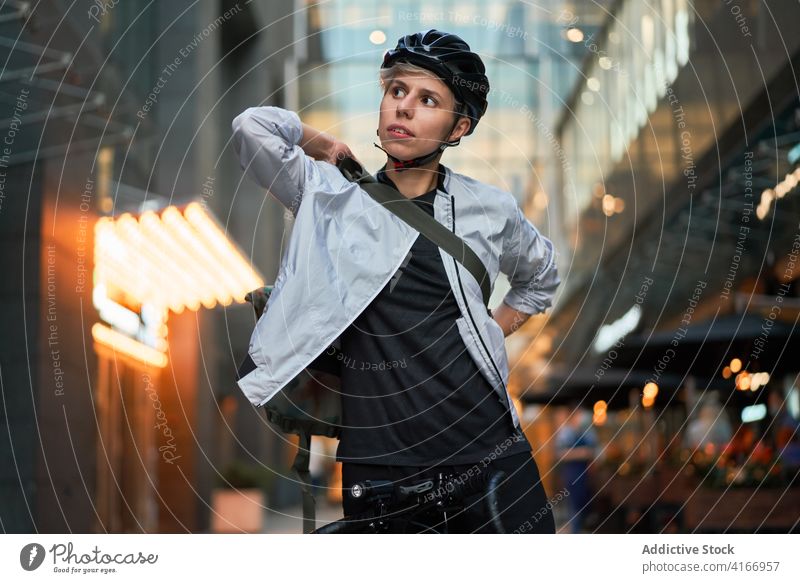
(371, 488)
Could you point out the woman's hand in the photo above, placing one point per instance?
(339, 152)
(324, 147)
(509, 319)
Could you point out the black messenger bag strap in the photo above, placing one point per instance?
(432, 229)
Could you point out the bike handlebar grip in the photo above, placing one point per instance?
(355, 523)
(487, 482)
(472, 485)
(491, 499)
(332, 528)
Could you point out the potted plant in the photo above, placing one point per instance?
(239, 498)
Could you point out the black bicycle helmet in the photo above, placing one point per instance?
(450, 58)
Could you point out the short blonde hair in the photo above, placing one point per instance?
(388, 74)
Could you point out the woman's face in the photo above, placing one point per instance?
(417, 115)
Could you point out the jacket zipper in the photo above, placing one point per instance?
(466, 303)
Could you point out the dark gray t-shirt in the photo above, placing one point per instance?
(411, 393)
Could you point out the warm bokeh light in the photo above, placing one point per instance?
(781, 189)
(175, 260)
(574, 35)
(736, 365)
(743, 381)
(608, 204)
(599, 418)
(152, 264)
(650, 390)
(758, 380)
(126, 345)
(727, 372)
(377, 37)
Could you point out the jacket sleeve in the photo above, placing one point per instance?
(266, 141)
(529, 261)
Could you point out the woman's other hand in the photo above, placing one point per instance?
(509, 319)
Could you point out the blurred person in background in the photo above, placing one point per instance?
(785, 431)
(710, 429)
(576, 449)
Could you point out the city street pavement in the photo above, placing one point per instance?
(290, 520)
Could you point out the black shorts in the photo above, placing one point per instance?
(522, 501)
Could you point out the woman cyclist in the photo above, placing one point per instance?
(424, 372)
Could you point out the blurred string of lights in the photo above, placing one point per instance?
(649, 393)
(600, 412)
(609, 204)
(743, 381)
(147, 266)
(770, 195)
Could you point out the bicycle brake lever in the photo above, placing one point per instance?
(417, 488)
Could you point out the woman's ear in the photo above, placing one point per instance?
(461, 128)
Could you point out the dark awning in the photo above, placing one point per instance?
(705, 348)
(618, 387)
(732, 328)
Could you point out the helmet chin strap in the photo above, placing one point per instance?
(400, 165)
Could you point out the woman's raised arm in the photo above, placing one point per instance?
(277, 151)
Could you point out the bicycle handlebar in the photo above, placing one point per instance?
(388, 497)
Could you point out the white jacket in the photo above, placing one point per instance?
(344, 248)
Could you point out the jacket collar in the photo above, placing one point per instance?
(443, 179)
